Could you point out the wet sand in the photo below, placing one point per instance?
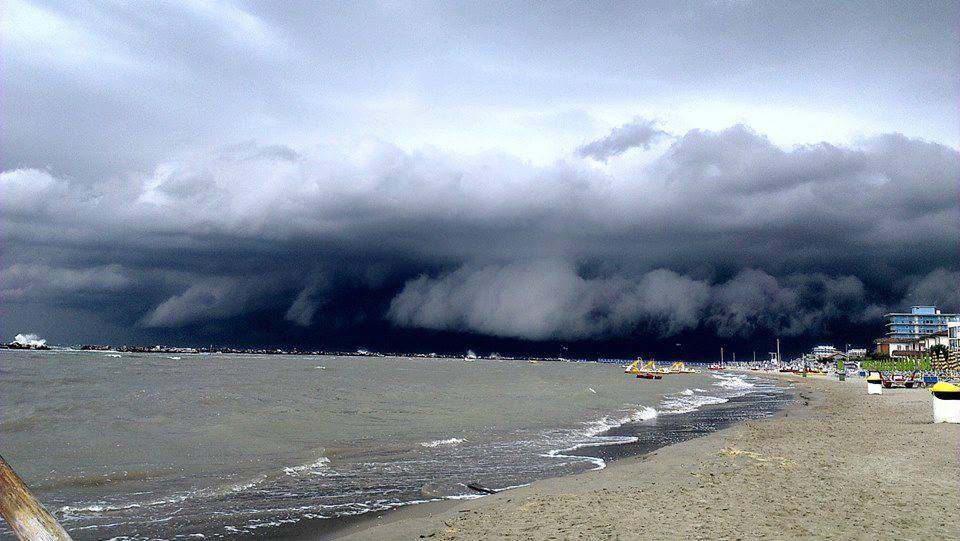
(837, 464)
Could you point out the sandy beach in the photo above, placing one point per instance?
(837, 464)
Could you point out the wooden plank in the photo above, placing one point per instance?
(26, 516)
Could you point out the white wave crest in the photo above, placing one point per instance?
(69, 512)
(438, 443)
(644, 414)
(29, 339)
(732, 382)
(687, 392)
(687, 403)
(605, 423)
(315, 467)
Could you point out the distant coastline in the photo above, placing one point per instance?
(277, 351)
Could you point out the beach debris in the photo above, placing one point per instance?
(24, 514)
(591, 390)
(733, 451)
(480, 488)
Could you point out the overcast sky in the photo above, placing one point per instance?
(422, 176)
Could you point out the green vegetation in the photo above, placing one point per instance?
(886, 364)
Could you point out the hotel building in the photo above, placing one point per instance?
(920, 321)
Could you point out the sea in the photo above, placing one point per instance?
(193, 446)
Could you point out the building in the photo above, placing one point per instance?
(953, 347)
(934, 339)
(898, 347)
(857, 353)
(823, 352)
(920, 321)
(953, 335)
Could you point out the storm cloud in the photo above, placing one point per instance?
(723, 231)
(548, 299)
(639, 133)
(284, 185)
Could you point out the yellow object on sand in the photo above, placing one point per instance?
(944, 387)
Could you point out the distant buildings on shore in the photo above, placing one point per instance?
(923, 333)
(823, 352)
(825, 355)
(919, 322)
(31, 342)
(920, 332)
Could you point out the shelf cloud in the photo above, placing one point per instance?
(723, 231)
(276, 173)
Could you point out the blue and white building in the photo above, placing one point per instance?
(919, 322)
(953, 335)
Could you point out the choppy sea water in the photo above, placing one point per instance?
(149, 446)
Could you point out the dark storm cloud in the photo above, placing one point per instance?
(211, 298)
(940, 287)
(548, 299)
(20, 282)
(723, 231)
(639, 133)
(304, 307)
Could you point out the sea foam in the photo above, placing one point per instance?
(732, 382)
(438, 443)
(315, 467)
(684, 403)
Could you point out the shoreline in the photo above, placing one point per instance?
(721, 417)
(822, 467)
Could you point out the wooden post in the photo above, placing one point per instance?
(25, 515)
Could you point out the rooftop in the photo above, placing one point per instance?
(921, 311)
(893, 340)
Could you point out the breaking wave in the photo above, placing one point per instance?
(732, 382)
(438, 443)
(316, 467)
